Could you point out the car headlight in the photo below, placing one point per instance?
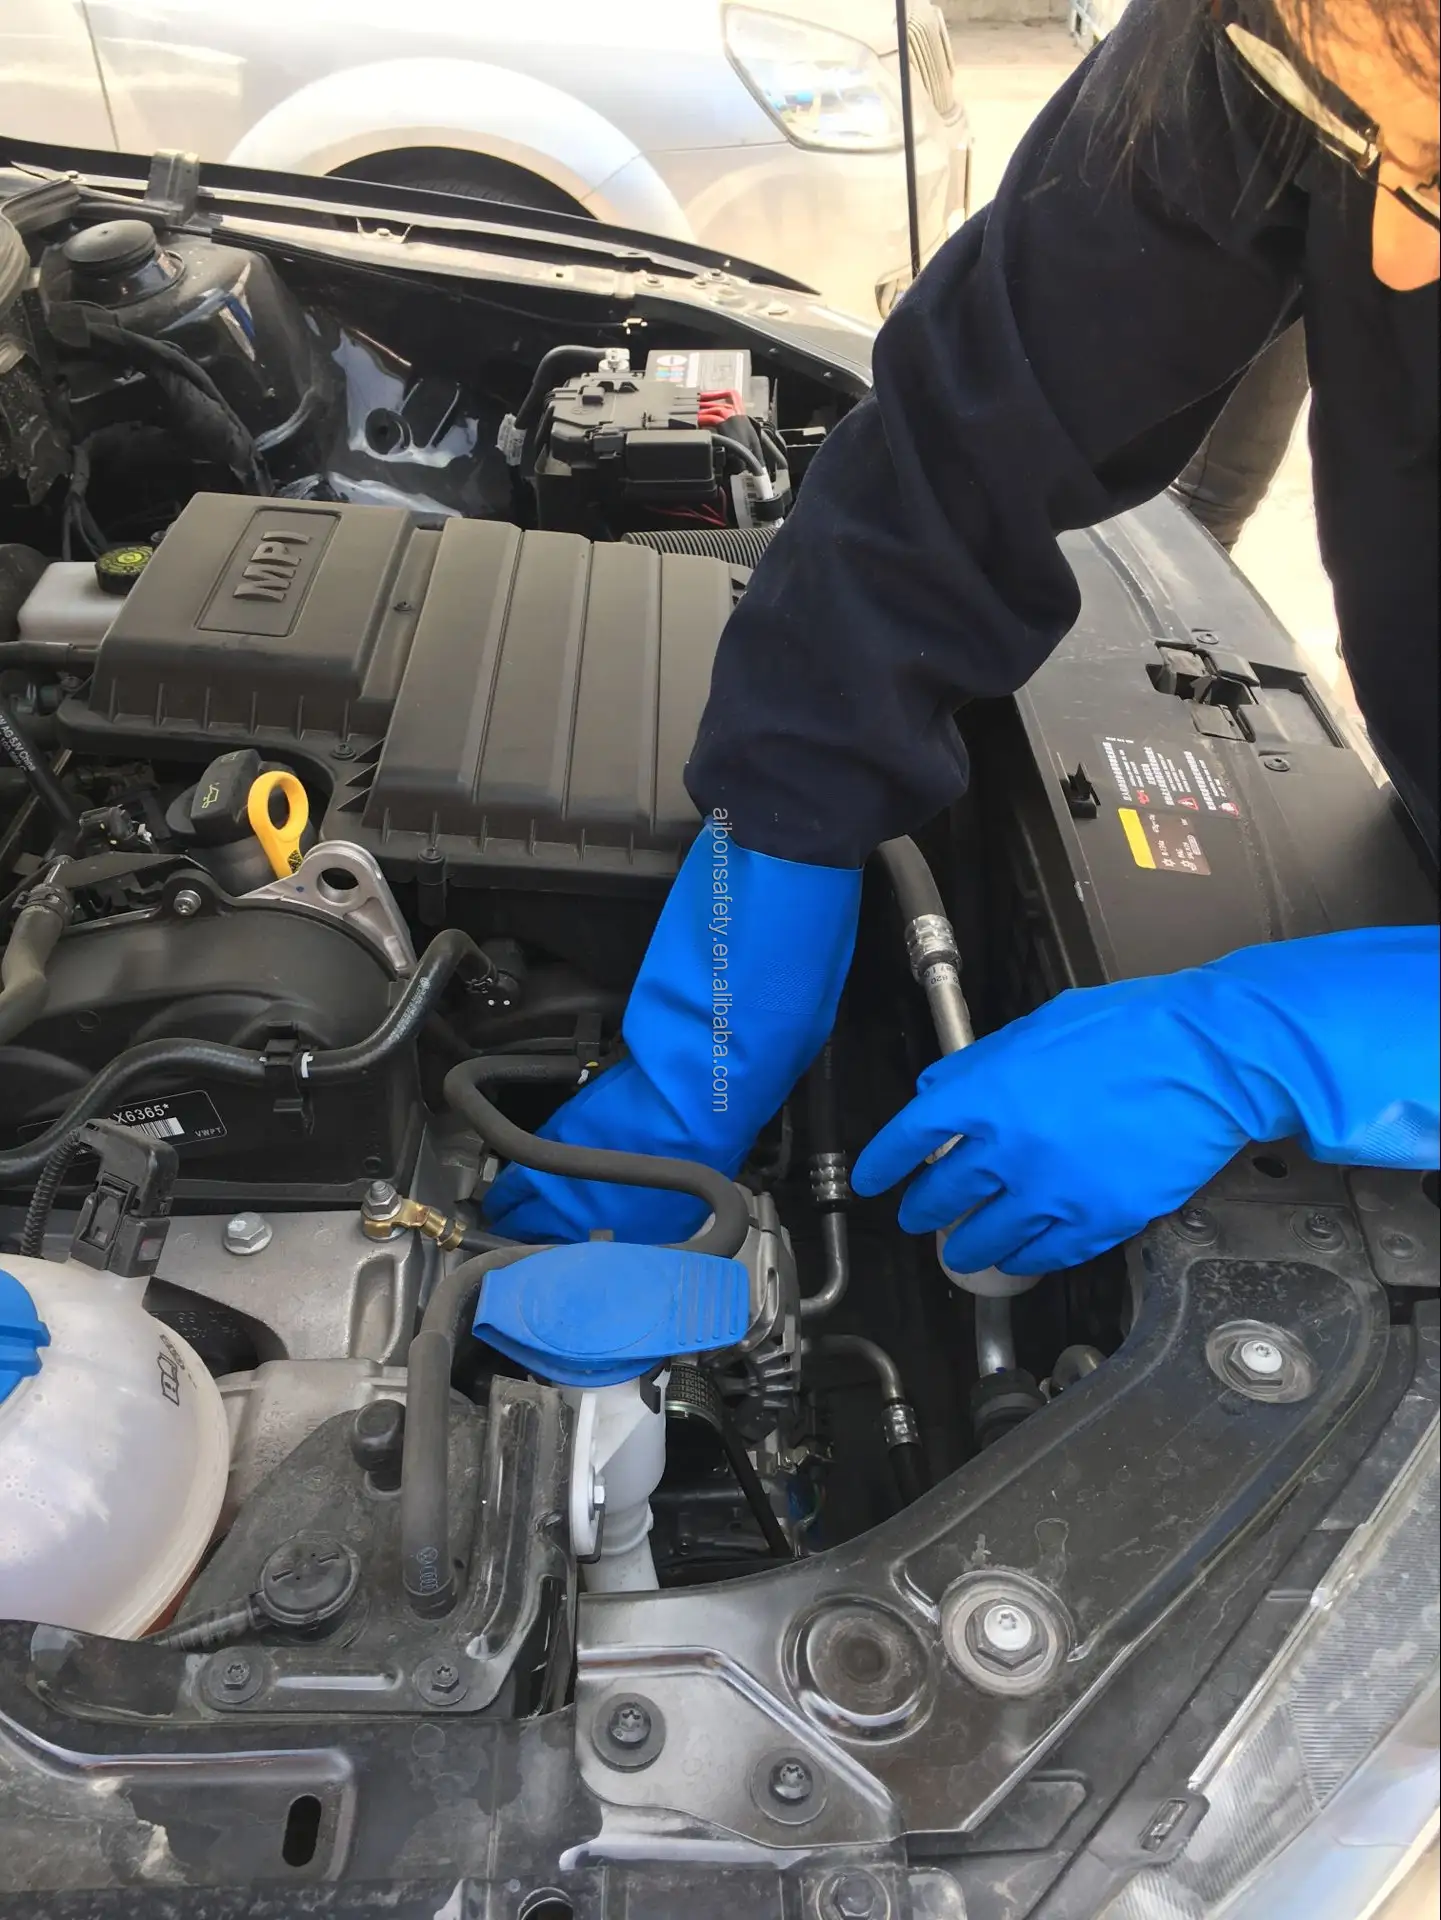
(1323, 1787)
(822, 89)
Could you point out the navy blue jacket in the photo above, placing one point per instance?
(1058, 361)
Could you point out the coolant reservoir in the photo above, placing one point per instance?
(113, 1451)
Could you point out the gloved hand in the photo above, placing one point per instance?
(1112, 1105)
(734, 999)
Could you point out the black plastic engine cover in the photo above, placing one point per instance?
(240, 976)
(483, 703)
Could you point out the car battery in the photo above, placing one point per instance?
(622, 450)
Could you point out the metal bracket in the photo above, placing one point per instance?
(344, 883)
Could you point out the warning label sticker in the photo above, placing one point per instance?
(1147, 775)
(1162, 841)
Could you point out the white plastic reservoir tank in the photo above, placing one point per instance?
(113, 1451)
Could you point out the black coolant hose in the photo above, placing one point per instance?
(930, 942)
(426, 1567)
(240, 1067)
(17, 745)
(910, 875)
(24, 987)
(728, 1228)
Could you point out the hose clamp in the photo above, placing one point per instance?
(930, 939)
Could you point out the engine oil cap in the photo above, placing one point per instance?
(22, 1334)
(606, 1311)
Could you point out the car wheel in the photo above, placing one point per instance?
(473, 176)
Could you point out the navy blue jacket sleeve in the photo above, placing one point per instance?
(1058, 361)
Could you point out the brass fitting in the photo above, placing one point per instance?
(385, 1212)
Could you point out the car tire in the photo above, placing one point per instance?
(472, 176)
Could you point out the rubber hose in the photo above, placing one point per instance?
(822, 1103)
(753, 1488)
(240, 1067)
(908, 1465)
(426, 1566)
(48, 656)
(547, 377)
(24, 987)
(203, 1632)
(911, 877)
(731, 1223)
(403, 1023)
(42, 1200)
(517, 1069)
(36, 769)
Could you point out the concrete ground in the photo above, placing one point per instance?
(1005, 74)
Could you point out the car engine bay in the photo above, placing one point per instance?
(354, 628)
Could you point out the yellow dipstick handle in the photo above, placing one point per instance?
(281, 843)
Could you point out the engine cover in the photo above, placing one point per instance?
(483, 703)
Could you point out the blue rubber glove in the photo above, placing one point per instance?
(733, 1001)
(1112, 1105)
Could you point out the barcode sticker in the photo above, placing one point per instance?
(180, 1116)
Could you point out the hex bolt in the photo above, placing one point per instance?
(1007, 1628)
(235, 1674)
(629, 1724)
(440, 1682)
(791, 1782)
(1194, 1223)
(853, 1896)
(187, 903)
(1260, 1358)
(246, 1233)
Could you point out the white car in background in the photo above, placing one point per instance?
(768, 132)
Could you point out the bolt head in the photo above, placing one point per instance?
(235, 1673)
(791, 1782)
(1400, 1246)
(1260, 1358)
(187, 902)
(1007, 1629)
(629, 1725)
(444, 1677)
(854, 1896)
(246, 1233)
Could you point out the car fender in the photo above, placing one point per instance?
(474, 107)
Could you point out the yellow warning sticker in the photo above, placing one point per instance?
(1135, 837)
(1163, 840)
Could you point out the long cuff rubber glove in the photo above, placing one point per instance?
(1111, 1105)
(734, 999)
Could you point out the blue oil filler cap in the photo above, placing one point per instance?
(605, 1311)
(22, 1334)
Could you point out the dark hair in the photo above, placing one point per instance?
(1412, 28)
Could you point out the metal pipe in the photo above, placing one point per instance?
(856, 1346)
(835, 1236)
(899, 1427)
(995, 1343)
(1073, 1364)
(950, 1016)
